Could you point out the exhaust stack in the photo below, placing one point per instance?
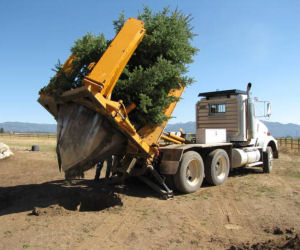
(250, 115)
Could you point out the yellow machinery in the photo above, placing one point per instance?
(91, 126)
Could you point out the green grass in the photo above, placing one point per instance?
(206, 195)
(26, 246)
(264, 189)
(294, 175)
(297, 203)
(194, 242)
(145, 212)
(7, 232)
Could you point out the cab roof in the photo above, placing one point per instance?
(223, 93)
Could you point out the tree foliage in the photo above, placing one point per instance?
(158, 65)
(86, 50)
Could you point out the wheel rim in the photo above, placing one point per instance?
(221, 168)
(193, 172)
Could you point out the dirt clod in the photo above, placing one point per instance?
(289, 230)
(292, 243)
(36, 211)
(277, 230)
(272, 244)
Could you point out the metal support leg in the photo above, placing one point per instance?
(158, 177)
(164, 194)
(164, 191)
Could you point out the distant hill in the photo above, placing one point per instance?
(24, 127)
(188, 127)
(283, 130)
(277, 129)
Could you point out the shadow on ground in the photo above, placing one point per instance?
(242, 171)
(81, 195)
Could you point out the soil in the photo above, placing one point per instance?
(40, 210)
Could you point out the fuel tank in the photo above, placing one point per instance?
(243, 156)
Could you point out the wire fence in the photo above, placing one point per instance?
(29, 135)
(292, 144)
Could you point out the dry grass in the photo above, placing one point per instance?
(24, 141)
(289, 144)
(289, 151)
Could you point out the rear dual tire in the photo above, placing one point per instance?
(217, 167)
(190, 174)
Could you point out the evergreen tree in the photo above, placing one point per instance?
(158, 65)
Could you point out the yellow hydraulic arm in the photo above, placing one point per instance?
(100, 82)
(105, 75)
(107, 71)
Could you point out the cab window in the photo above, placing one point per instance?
(217, 109)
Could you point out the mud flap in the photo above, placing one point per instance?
(85, 137)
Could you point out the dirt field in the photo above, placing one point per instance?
(39, 210)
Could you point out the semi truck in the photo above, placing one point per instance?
(91, 127)
(228, 136)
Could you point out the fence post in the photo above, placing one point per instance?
(298, 144)
(292, 140)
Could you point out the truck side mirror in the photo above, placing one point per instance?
(268, 110)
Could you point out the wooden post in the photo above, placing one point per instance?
(298, 144)
(285, 141)
(292, 140)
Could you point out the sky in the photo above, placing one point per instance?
(240, 41)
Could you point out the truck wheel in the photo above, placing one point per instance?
(217, 167)
(190, 174)
(268, 160)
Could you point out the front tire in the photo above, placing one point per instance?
(268, 160)
(189, 176)
(217, 167)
